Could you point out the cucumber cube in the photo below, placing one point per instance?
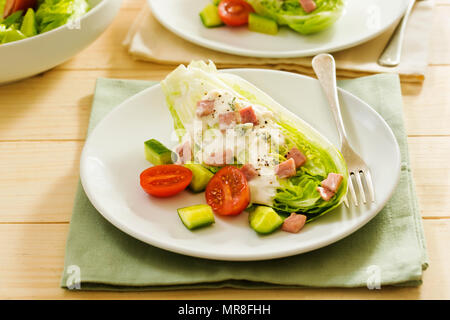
(200, 177)
(196, 216)
(264, 220)
(156, 153)
(210, 16)
(262, 24)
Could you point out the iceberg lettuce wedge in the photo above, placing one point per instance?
(185, 86)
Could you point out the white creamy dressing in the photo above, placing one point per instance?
(255, 144)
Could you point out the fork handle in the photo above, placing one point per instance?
(325, 69)
(390, 57)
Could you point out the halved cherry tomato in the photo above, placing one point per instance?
(165, 180)
(12, 6)
(234, 12)
(228, 192)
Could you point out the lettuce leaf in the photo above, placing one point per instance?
(290, 13)
(52, 14)
(187, 85)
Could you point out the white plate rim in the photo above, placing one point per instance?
(235, 256)
(213, 45)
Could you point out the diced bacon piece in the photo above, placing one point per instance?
(218, 159)
(249, 171)
(298, 157)
(248, 115)
(325, 194)
(184, 152)
(285, 169)
(308, 5)
(294, 223)
(205, 107)
(227, 120)
(332, 182)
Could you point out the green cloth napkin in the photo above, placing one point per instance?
(391, 246)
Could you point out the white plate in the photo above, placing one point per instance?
(361, 21)
(113, 157)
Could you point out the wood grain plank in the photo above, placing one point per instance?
(107, 51)
(32, 258)
(431, 172)
(440, 36)
(39, 178)
(426, 107)
(57, 104)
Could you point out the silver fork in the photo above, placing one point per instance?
(325, 69)
(390, 57)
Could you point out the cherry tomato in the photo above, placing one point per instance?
(12, 6)
(234, 12)
(228, 192)
(165, 180)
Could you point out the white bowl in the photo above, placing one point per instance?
(28, 57)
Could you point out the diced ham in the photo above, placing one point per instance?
(249, 171)
(184, 152)
(227, 120)
(294, 223)
(308, 5)
(332, 182)
(205, 107)
(285, 169)
(330, 185)
(248, 115)
(325, 194)
(298, 157)
(218, 159)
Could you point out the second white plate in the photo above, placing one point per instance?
(362, 20)
(113, 157)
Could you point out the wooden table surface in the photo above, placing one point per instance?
(43, 123)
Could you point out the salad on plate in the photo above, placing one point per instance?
(265, 16)
(245, 151)
(21, 19)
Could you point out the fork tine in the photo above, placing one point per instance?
(352, 190)
(360, 186)
(369, 183)
(346, 201)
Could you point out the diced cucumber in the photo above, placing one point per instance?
(210, 16)
(196, 216)
(11, 35)
(29, 26)
(200, 176)
(216, 2)
(262, 24)
(264, 220)
(156, 153)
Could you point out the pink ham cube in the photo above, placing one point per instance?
(308, 5)
(332, 182)
(298, 157)
(294, 223)
(248, 115)
(285, 169)
(205, 107)
(184, 152)
(325, 194)
(227, 120)
(219, 159)
(249, 171)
